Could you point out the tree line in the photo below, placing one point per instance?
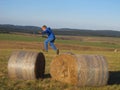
(62, 31)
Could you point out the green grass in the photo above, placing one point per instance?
(48, 84)
(12, 37)
(84, 43)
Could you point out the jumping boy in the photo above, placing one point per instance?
(51, 39)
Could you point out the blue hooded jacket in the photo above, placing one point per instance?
(49, 32)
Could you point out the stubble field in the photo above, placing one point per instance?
(107, 46)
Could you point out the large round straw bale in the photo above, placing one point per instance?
(26, 65)
(81, 70)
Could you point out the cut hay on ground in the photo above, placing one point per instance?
(26, 65)
(81, 70)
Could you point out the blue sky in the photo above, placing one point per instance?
(81, 14)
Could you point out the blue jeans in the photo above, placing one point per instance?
(51, 41)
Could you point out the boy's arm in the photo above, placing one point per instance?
(42, 34)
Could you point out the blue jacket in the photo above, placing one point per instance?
(49, 32)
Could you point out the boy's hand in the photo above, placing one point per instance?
(44, 36)
(40, 32)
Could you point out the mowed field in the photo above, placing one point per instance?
(107, 46)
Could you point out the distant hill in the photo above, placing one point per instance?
(15, 28)
(83, 32)
(63, 31)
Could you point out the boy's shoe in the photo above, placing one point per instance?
(57, 52)
(44, 50)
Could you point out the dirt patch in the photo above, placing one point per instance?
(36, 45)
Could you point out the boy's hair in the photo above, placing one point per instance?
(44, 26)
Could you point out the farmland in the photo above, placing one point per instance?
(77, 44)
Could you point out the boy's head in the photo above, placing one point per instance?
(44, 27)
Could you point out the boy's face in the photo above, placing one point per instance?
(43, 28)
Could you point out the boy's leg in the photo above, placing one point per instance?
(52, 45)
(46, 44)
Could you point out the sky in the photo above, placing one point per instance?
(78, 14)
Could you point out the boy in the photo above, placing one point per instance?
(51, 39)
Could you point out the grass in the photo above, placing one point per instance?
(106, 44)
(49, 84)
(13, 37)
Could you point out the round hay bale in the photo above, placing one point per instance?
(80, 70)
(26, 65)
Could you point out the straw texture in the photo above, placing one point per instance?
(26, 65)
(80, 70)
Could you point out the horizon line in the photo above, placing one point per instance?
(65, 28)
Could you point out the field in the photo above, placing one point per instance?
(107, 46)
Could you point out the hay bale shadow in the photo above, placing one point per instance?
(40, 66)
(114, 77)
(47, 76)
